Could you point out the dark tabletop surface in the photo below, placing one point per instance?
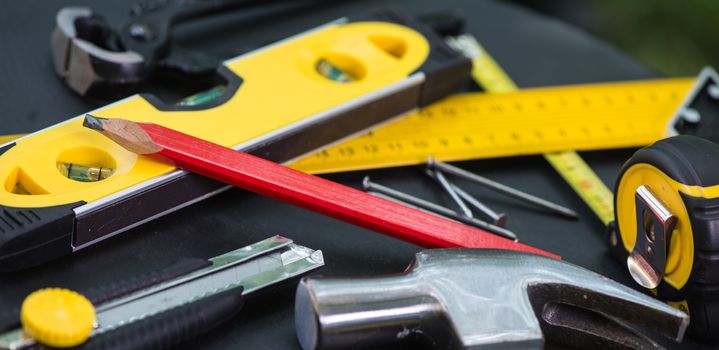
(534, 50)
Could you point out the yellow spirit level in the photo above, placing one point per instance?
(280, 102)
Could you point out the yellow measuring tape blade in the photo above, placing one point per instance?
(575, 171)
(532, 121)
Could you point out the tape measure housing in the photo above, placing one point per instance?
(683, 173)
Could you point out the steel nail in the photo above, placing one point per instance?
(406, 199)
(439, 177)
(499, 219)
(512, 192)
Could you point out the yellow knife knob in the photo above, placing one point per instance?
(57, 317)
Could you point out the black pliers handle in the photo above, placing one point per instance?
(95, 59)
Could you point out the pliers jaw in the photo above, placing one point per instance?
(89, 59)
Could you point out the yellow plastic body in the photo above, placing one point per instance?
(681, 248)
(57, 317)
(280, 86)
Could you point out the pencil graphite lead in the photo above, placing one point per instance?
(128, 134)
(92, 122)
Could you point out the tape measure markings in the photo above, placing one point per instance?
(531, 121)
(585, 183)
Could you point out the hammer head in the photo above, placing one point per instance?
(476, 298)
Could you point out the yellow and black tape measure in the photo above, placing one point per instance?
(667, 225)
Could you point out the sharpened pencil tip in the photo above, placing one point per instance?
(93, 122)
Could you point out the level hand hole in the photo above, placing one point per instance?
(340, 68)
(394, 46)
(19, 182)
(86, 164)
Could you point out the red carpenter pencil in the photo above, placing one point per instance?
(295, 187)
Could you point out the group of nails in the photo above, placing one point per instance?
(436, 170)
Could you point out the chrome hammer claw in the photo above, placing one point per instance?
(476, 299)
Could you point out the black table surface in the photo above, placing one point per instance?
(535, 51)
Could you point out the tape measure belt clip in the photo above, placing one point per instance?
(654, 226)
(683, 174)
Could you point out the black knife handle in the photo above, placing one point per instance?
(123, 287)
(10, 318)
(171, 327)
